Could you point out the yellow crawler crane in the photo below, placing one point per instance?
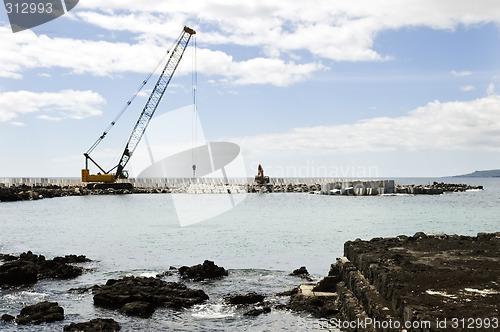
(108, 177)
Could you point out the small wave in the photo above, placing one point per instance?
(24, 295)
(149, 274)
(397, 194)
(212, 311)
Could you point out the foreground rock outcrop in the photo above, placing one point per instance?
(418, 283)
(207, 270)
(28, 268)
(140, 296)
(43, 312)
(94, 325)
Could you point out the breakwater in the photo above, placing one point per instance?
(14, 189)
(381, 187)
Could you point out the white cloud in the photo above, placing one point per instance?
(49, 118)
(340, 30)
(254, 71)
(491, 89)
(467, 88)
(461, 73)
(65, 104)
(461, 125)
(26, 50)
(17, 124)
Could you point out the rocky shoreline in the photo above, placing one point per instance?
(132, 296)
(425, 282)
(36, 192)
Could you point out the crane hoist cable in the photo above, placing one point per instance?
(194, 119)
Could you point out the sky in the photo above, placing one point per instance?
(320, 88)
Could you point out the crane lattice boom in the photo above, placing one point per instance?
(147, 112)
(154, 99)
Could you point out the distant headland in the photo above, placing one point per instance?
(494, 173)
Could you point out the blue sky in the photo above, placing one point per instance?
(318, 88)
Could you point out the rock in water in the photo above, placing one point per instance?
(70, 259)
(43, 312)
(95, 325)
(7, 318)
(249, 298)
(318, 306)
(298, 272)
(18, 273)
(257, 311)
(140, 296)
(302, 273)
(207, 270)
(29, 268)
(138, 308)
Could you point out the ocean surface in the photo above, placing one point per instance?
(260, 242)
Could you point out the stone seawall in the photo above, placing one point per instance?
(418, 283)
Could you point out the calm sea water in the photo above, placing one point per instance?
(260, 242)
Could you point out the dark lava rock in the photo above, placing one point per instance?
(7, 318)
(118, 294)
(138, 308)
(71, 259)
(290, 292)
(318, 306)
(51, 269)
(29, 268)
(249, 298)
(7, 258)
(302, 273)
(257, 311)
(43, 312)
(83, 290)
(207, 270)
(18, 273)
(95, 325)
(327, 284)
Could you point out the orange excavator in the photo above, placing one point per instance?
(260, 179)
